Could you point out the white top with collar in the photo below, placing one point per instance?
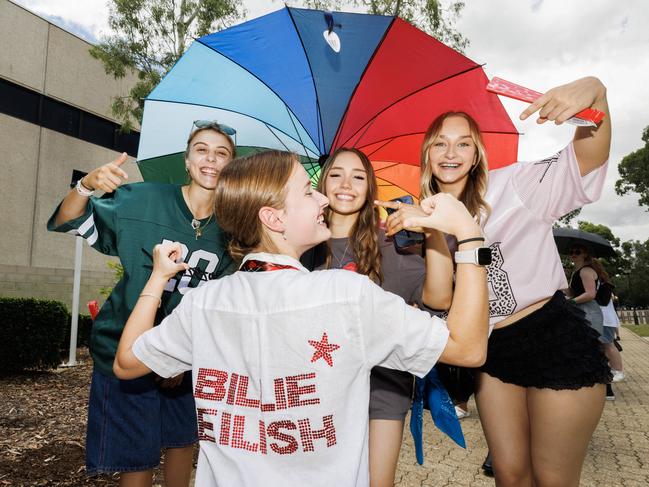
(281, 363)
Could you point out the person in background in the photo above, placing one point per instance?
(583, 286)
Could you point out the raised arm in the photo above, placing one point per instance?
(437, 291)
(106, 178)
(468, 317)
(592, 144)
(438, 284)
(142, 318)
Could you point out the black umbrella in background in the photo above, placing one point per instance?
(597, 246)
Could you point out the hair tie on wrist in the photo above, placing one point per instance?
(473, 239)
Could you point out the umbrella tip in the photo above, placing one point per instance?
(323, 159)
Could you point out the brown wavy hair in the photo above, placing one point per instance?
(476, 186)
(363, 237)
(589, 261)
(244, 187)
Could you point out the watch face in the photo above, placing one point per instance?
(484, 256)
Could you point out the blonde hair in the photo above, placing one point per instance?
(244, 187)
(363, 237)
(476, 187)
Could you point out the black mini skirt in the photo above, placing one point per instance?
(553, 347)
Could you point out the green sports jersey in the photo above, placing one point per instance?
(128, 223)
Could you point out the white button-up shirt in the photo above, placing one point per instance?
(281, 363)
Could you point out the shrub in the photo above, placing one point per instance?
(83, 332)
(31, 334)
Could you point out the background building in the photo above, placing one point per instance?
(54, 117)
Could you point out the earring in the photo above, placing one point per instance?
(284, 235)
(187, 169)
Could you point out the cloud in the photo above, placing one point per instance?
(87, 18)
(73, 27)
(562, 41)
(536, 4)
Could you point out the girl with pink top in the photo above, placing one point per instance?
(540, 393)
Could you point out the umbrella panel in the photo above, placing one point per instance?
(170, 168)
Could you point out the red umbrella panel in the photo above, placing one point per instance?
(411, 79)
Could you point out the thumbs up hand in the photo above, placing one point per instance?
(108, 177)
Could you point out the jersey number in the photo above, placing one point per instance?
(182, 284)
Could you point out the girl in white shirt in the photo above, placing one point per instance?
(281, 357)
(540, 393)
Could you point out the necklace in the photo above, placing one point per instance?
(195, 223)
(342, 259)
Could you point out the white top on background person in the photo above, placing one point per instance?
(610, 315)
(282, 358)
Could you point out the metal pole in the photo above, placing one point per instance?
(76, 286)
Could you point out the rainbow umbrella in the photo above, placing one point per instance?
(311, 81)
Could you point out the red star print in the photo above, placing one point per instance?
(323, 349)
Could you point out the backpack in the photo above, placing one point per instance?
(604, 292)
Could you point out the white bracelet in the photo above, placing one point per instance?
(82, 190)
(153, 296)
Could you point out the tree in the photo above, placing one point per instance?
(617, 265)
(634, 172)
(149, 37)
(564, 221)
(632, 284)
(437, 17)
(601, 230)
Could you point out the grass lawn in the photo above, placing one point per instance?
(642, 330)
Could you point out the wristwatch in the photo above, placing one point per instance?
(479, 256)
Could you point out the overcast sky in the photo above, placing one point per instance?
(536, 43)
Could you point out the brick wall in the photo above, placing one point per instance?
(48, 283)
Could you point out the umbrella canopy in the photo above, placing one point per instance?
(311, 81)
(597, 246)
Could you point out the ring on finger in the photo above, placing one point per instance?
(398, 205)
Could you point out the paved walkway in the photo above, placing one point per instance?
(618, 454)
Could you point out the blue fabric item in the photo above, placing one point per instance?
(336, 75)
(431, 394)
(192, 82)
(270, 49)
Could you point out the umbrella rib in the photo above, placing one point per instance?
(296, 131)
(280, 140)
(261, 81)
(380, 147)
(399, 100)
(321, 141)
(232, 111)
(369, 62)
